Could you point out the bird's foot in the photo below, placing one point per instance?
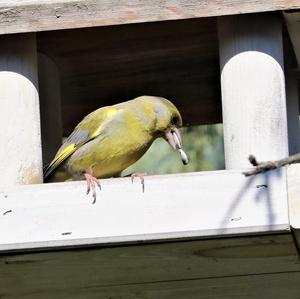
(91, 182)
(141, 176)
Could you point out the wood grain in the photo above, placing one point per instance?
(182, 206)
(50, 107)
(293, 26)
(294, 200)
(105, 65)
(194, 269)
(253, 89)
(20, 149)
(27, 16)
(294, 194)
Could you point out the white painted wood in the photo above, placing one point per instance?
(174, 206)
(50, 104)
(294, 195)
(253, 89)
(20, 150)
(293, 175)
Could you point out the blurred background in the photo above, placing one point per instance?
(203, 145)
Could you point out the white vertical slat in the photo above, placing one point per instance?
(20, 150)
(253, 88)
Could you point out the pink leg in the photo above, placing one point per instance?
(141, 176)
(91, 182)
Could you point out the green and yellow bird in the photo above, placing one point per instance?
(110, 139)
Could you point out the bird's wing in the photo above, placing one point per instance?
(88, 129)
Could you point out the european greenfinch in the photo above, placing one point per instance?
(110, 139)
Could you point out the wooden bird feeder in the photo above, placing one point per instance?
(198, 235)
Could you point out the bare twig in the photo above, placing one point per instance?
(269, 165)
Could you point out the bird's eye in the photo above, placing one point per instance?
(175, 120)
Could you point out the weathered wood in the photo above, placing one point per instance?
(293, 26)
(105, 65)
(218, 268)
(267, 286)
(20, 150)
(27, 16)
(294, 200)
(292, 95)
(172, 207)
(253, 89)
(50, 104)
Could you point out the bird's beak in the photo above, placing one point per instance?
(173, 137)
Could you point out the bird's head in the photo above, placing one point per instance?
(167, 122)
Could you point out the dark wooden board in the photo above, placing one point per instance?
(267, 286)
(220, 268)
(100, 66)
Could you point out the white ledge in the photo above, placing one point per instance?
(201, 205)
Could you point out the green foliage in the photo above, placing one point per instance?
(203, 145)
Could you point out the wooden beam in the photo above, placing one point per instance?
(292, 94)
(33, 15)
(267, 286)
(294, 200)
(260, 266)
(292, 97)
(293, 25)
(253, 89)
(50, 103)
(20, 150)
(172, 207)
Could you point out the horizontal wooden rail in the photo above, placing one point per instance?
(183, 206)
(27, 16)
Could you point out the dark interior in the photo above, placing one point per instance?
(104, 65)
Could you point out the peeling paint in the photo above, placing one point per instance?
(9, 15)
(30, 175)
(90, 13)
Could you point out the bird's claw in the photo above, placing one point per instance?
(91, 182)
(141, 176)
(88, 189)
(94, 196)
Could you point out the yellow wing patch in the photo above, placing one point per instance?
(70, 149)
(80, 136)
(96, 132)
(109, 114)
(66, 152)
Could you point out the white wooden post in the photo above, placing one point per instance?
(20, 150)
(50, 102)
(253, 88)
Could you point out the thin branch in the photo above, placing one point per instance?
(269, 165)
